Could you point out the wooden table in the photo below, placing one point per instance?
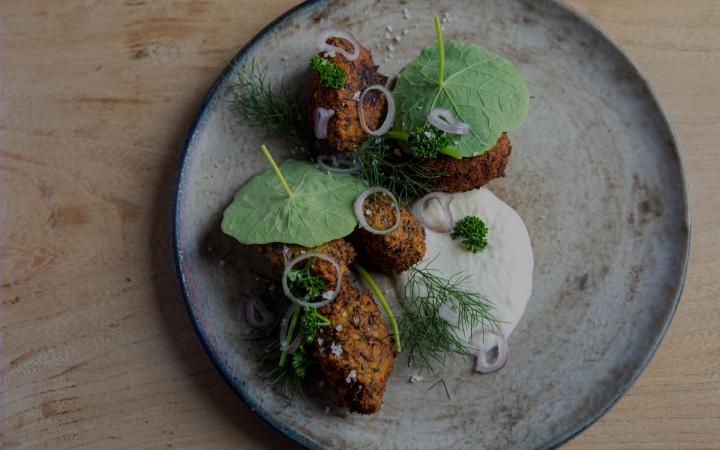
(97, 348)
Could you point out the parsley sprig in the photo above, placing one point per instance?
(331, 75)
(473, 232)
(303, 284)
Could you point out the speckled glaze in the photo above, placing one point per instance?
(596, 173)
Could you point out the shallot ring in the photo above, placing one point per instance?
(303, 257)
(359, 207)
(389, 117)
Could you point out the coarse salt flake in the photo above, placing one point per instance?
(351, 376)
(415, 379)
(336, 349)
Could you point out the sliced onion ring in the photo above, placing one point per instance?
(389, 117)
(334, 159)
(359, 207)
(418, 210)
(444, 119)
(321, 116)
(254, 307)
(284, 347)
(487, 348)
(332, 49)
(293, 263)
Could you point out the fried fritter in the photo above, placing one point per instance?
(339, 249)
(393, 252)
(460, 175)
(355, 354)
(344, 130)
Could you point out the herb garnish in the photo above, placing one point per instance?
(331, 75)
(426, 335)
(380, 165)
(304, 284)
(311, 323)
(306, 207)
(473, 232)
(300, 362)
(426, 142)
(481, 88)
(256, 103)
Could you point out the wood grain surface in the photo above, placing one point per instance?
(97, 349)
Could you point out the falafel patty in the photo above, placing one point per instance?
(393, 252)
(354, 353)
(339, 249)
(343, 129)
(460, 175)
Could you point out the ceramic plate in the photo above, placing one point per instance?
(596, 173)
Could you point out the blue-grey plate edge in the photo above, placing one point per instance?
(179, 260)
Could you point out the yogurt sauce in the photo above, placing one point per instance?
(501, 273)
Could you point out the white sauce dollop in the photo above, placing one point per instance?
(501, 273)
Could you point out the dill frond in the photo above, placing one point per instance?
(381, 166)
(427, 337)
(257, 103)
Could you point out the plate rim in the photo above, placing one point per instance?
(178, 257)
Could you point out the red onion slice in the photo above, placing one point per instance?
(254, 308)
(336, 161)
(325, 298)
(389, 118)
(331, 50)
(491, 352)
(359, 207)
(284, 347)
(444, 119)
(418, 210)
(321, 116)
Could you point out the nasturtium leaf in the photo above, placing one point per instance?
(320, 209)
(483, 90)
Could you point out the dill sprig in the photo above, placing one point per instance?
(256, 102)
(428, 338)
(381, 165)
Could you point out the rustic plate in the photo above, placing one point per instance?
(596, 173)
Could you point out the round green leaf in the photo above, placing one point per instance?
(320, 209)
(483, 89)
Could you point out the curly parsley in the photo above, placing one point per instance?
(331, 75)
(473, 232)
(311, 322)
(304, 284)
(427, 142)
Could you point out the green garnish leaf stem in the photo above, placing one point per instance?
(441, 51)
(402, 136)
(288, 337)
(276, 169)
(381, 298)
